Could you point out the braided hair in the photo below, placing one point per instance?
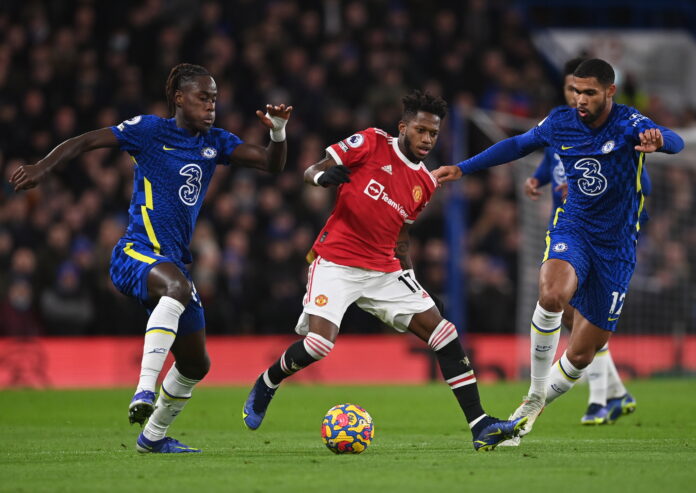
(179, 75)
(417, 101)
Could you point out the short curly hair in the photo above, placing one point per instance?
(597, 68)
(416, 101)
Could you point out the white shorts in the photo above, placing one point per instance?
(390, 296)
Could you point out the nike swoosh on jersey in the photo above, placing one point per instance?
(564, 148)
(613, 319)
(168, 148)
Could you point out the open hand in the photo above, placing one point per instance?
(447, 173)
(273, 112)
(650, 140)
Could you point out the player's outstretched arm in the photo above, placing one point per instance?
(504, 151)
(28, 176)
(326, 173)
(272, 157)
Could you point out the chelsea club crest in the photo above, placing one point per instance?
(209, 152)
(608, 147)
(560, 247)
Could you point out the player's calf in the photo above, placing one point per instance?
(457, 372)
(299, 355)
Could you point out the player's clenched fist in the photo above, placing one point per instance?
(531, 188)
(27, 176)
(447, 173)
(335, 175)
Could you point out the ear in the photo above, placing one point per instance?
(178, 98)
(402, 127)
(611, 91)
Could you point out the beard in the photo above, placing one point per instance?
(409, 152)
(591, 117)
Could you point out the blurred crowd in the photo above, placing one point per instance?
(72, 66)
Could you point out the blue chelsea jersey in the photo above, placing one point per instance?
(602, 169)
(172, 171)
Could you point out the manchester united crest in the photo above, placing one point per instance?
(321, 300)
(417, 193)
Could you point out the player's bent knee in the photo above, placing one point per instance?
(552, 300)
(317, 346)
(195, 370)
(179, 290)
(444, 333)
(579, 360)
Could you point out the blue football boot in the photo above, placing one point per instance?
(498, 431)
(167, 445)
(141, 407)
(596, 414)
(257, 403)
(620, 406)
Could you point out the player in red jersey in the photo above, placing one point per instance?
(361, 256)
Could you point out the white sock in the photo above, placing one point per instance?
(159, 337)
(563, 377)
(615, 387)
(544, 334)
(174, 394)
(597, 377)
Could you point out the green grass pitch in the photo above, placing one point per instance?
(81, 441)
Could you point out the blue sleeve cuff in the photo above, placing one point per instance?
(673, 143)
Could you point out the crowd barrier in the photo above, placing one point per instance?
(93, 362)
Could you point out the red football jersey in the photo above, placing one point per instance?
(386, 190)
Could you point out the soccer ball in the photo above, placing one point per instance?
(347, 429)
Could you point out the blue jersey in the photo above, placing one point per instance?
(172, 171)
(551, 172)
(602, 168)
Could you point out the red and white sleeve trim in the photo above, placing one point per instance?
(331, 152)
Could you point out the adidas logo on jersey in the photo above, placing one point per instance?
(387, 168)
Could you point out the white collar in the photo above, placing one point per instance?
(407, 161)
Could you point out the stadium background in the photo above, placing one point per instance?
(68, 67)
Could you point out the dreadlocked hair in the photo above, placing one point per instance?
(178, 76)
(417, 101)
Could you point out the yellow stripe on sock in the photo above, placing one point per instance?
(535, 329)
(161, 331)
(171, 397)
(565, 375)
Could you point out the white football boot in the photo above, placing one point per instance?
(531, 406)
